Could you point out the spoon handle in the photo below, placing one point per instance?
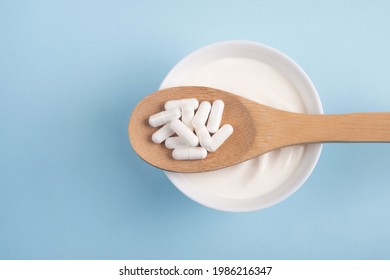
(355, 127)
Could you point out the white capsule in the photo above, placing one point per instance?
(203, 135)
(215, 116)
(219, 137)
(202, 114)
(164, 117)
(180, 102)
(187, 115)
(190, 153)
(184, 132)
(175, 142)
(163, 133)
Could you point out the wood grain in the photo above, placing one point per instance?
(258, 129)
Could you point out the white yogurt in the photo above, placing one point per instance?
(259, 82)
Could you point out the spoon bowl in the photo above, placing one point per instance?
(258, 129)
(237, 146)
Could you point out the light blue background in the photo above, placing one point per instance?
(71, 187)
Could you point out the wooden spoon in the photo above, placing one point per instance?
(258, 129)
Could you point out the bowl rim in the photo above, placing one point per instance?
(314, 150)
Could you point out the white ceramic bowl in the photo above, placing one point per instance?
(309, 154)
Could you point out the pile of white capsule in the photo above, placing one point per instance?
(197, 128)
